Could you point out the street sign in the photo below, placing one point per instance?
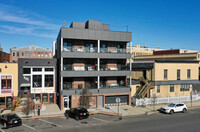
(118, 100)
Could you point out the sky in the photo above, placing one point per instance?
(153, 23)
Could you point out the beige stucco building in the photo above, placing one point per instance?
(164, 78)
(8, 84)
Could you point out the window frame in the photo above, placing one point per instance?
(165, 73)
(158, 89)
(171, 87)
(188, 73)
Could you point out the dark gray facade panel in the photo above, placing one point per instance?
(71, 33)
(32, 62)
(97, 91)
(176, 82)
(94, 73)
(95, 55)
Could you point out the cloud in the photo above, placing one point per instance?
(29, 22)
(24, 31)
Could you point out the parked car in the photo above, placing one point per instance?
(10, 120)
(171, 108)
(77, 113)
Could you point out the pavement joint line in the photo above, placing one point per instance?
(100, 119)
(50, 122)
(29, 127)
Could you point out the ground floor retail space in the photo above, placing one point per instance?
(95, 101)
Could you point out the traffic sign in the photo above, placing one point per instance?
(118, 100)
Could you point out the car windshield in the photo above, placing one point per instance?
(171, 105)
(13, 117)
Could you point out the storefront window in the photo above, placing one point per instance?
(2, 101)
(51, 98)
(37, 81)
(38, 98)
(45, 97)
(48, 80)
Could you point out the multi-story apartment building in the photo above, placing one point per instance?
(173, 51)
(164, 78)
(30, 52)
(37, 79)
(90, 56)
(8, 84)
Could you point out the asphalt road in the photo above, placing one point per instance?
(178, 122)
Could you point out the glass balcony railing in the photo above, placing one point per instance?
(70, 85)
(80, 68)
(80, 49)
(94, 50)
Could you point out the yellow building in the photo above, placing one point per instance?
(139, 50)
(164, 78)
(8, 84)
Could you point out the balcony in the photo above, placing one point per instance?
(80, 49)
(113, 50)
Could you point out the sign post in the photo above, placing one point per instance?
(118, 100)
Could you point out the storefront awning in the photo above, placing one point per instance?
(25, 85)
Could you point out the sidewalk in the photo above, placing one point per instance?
(125, 110)
(50, 110)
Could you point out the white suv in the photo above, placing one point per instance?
(171, 108)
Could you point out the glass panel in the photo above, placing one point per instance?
(26, 70)
(51, 98)
(48, 69)
(37, 69)
(45, 97)
(2, 101)
(48, 80)
(37, 81)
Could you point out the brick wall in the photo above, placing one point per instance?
(4, 57)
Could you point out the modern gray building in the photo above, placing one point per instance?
(37, 79)
(90, 56)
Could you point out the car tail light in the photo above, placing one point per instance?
(10, 122)
(81, 113)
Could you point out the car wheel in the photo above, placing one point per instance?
(171, 112)
(184, 110)
(76, 118)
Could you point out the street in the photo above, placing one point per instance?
(178, 122)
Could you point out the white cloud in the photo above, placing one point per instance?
(27, 20)
(24, 31)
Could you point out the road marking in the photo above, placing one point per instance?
(2, 130)
(29, 127)
(100, 119)
(50, 122)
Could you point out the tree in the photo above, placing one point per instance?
(27, 108)
(85, 98)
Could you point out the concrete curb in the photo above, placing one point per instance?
(42, 116)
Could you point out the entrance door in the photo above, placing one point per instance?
(26, 91)
(66, 103)
(100, 101)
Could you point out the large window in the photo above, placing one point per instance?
(185, 87)
(22, 53)
(48, 80)
(178, 74)
(6, 82)
(67, 46)
(165, 73)
(158, 89)
(26, 70)
(37, 81)
(188, 73)
(17, 54)
(171, 88)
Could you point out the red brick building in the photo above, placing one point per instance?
(30, 52)
(4, 57)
